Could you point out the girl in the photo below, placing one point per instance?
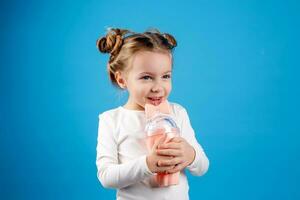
(141, 63)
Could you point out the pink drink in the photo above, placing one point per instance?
(161, 123)
(163, 179)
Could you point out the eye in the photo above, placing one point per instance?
(167, 76)
(146, 77)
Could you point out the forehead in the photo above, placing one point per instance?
(153, 62)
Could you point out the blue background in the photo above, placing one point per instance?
(236, 71)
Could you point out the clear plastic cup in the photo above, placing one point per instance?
(156, 127)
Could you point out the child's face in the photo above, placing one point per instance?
(149, 79)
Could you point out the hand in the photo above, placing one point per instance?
(182, 152)
(153, 158)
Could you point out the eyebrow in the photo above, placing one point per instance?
(153, 74)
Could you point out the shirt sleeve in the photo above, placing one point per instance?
(201, 163)
(110, 173)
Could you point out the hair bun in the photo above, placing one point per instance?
(112, 42)
(109, 44)
(171, 40)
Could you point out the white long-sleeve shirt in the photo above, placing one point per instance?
(121, 155)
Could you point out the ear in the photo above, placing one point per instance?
(120, 78)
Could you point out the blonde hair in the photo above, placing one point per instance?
(122, 47)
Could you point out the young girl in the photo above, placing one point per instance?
(141, 63)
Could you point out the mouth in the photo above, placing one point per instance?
(155, 100)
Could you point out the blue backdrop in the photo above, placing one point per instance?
(236, 71)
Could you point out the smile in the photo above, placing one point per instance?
(155, 100)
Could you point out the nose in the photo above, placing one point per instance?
(156, 88)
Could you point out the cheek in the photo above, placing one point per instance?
(142, 90)
(146, 86)
(169, 87)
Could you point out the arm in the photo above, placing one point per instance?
(186, 151)
(201, 163)
(110, 173)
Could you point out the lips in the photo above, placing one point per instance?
(155, 100)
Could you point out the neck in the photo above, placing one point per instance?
(130, 106)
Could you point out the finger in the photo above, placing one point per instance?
(169, 162)
(176, 139)
(177, 168)
(170, 145)
(169, 152)
(165, 168)
(159, 141)
(162, 157)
